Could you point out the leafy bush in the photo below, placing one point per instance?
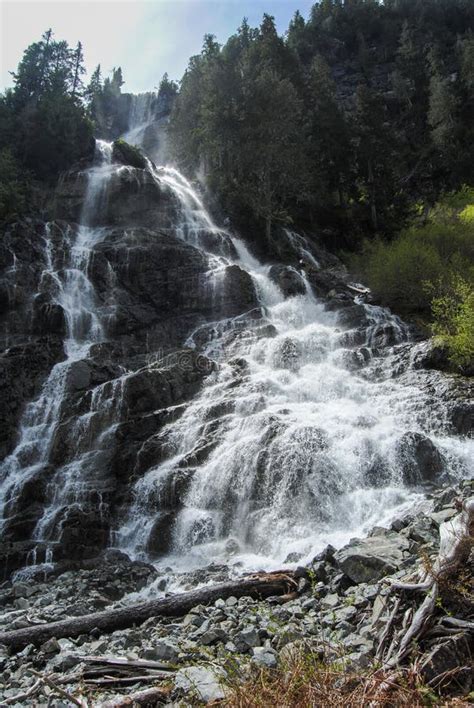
(429, 270)
(423, 259)
(453, 314)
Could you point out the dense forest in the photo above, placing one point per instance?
(344, 124)
(352, 126)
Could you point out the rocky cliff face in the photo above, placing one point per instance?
(149, 288)
(164, 392)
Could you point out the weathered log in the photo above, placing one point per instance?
(149, 697)
(257, 586)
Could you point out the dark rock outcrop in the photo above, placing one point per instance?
(23, 369)
(419, 459)
(288, 280)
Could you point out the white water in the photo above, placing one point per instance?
(294, 431)
(300, 432)
(66, 278)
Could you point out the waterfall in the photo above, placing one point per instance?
(141, 114)
(66, 279)
(292, 442)
(304, 451)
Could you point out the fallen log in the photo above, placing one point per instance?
(257, 586)
(149, 697)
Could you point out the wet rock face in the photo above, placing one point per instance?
(419, 459)
(134, 198)
(288, 279)
(23, 369)
(154, 285)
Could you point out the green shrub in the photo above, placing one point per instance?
(397, 272)
(424, 258)
(453, 315)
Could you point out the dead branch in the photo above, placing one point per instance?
(150, 696)
(455, 545)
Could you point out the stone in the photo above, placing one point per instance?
(371, 559)
(249, 637)
(51, 647)
(212, 636)
(202, 682)
(330, 601)
(345, 614)
(447, 655)
(164, 650)
(439, 517)
(419, 459)
(264, 656)
(288, 280)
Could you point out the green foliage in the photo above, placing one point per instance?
(14, 185)
(128, 154)
(453, 324)
(44, 126)
(405, 272)
(368, 141)
(429, 270)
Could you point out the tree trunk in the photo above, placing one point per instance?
(256, 586)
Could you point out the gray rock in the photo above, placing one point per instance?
(212, 636)
(370, 559)
(330, 601)
(439, 517)
(264, 656)
(249, 637)
(419, 459)
(345, 614)
(165, 650)
(51, 646)
(231, 601)
(447, 655)
(202, 682)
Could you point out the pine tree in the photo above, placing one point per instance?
(79, 70)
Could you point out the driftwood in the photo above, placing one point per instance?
(21, 697)
(258, 586)
(149, 697)
(456, 537)
(54, 686)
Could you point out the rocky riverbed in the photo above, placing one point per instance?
(339, 611)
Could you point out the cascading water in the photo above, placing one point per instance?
(292, 442)
(303, 450)
(66, 279)
(140, 117)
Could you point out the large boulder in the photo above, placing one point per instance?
(288, 280)
(127, 154)
(370, 559)
(163, 289)
(419, 459)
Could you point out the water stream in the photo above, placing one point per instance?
(304, 451)
(287, 447)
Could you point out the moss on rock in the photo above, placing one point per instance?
(128, 154)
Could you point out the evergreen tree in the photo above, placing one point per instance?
(79, 70)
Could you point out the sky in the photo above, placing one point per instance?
(145, 37)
